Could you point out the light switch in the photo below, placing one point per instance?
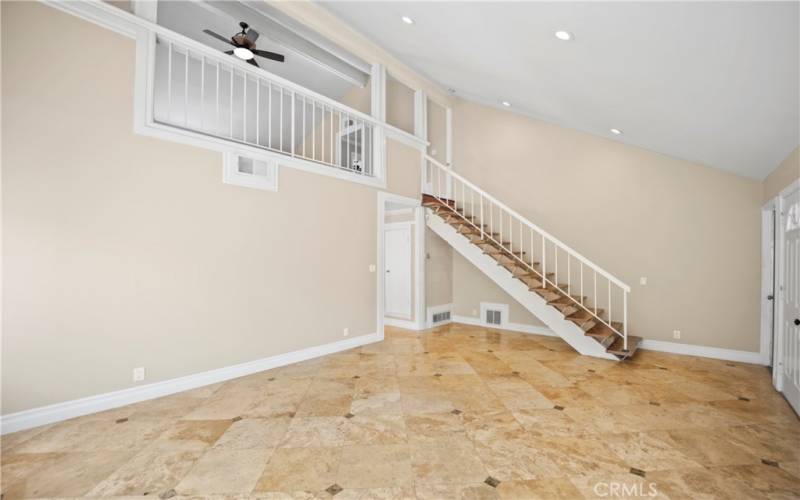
(643, 280)
(372, 268)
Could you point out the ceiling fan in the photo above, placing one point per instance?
(244, 45)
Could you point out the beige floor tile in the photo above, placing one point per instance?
(625, 485)
(375, 429)
(316, 432)
(377, 403)
(375, 466)
(68, 475)
(445, 461)
(153, 471)
(710, 447)
(446, 413)
(401, 493)
(291, 469)
(435, 426)
(645, 451)
(543, 489)
(515, 458)
(201, 432)
(480, 491)
(580, 456)
(221, 470)
(254, 433)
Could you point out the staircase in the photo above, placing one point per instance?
(582, 303)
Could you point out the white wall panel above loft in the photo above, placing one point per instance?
(710, 82)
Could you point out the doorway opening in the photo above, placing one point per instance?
(401, 273)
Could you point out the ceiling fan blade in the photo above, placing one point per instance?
(253, 62)
(251, 35)
(269, 55)
(218, 37)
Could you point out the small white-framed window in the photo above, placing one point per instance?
(248, 172)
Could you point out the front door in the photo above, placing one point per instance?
(789, 356)
(397, 243)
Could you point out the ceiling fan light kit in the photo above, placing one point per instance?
(244, 45)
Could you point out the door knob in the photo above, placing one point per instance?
(770, 297)
(388, 271)
(797, 321)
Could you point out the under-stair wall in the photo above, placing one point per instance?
(691, 230)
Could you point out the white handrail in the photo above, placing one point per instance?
(533, 226)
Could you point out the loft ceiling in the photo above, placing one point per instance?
(715, 83)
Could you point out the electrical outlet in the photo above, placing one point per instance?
(138, 374)
(676, 334)
(345, 332)
(372, 268)
(643, 280)
(474, 312)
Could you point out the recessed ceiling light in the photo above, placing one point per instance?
(616, 131)
(563, 35)
(407, 20)
(506, 104)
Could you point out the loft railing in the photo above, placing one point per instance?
(557, 265)
(198, 89)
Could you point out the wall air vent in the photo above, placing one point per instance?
(441, 317)
(494, 314)
(493, 317)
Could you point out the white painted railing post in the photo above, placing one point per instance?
(292, 120)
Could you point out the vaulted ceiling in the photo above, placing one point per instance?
(711, 82)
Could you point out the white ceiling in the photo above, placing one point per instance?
(712, 82)
(191, 18)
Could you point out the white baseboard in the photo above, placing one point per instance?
(704, 351)
(77, 407)
(401, 323)
(650, 345)
(513, 327)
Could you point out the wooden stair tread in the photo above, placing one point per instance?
(617, 350)
(590, 320)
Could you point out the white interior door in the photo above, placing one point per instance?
(789, 353)
(397, 244)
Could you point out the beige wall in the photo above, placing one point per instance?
(783, 175)
(693, 231)
(437, 131)
(471, 287)
(438, 270)
(399, 105)
(122, 251)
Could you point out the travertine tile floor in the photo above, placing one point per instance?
(457, 412)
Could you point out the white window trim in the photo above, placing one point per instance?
(232, 175)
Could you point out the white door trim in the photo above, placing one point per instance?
(768, 275)
(419, 251)
(777, 380)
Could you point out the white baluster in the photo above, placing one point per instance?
(186, 91)
(202, 92)
(169, 83)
